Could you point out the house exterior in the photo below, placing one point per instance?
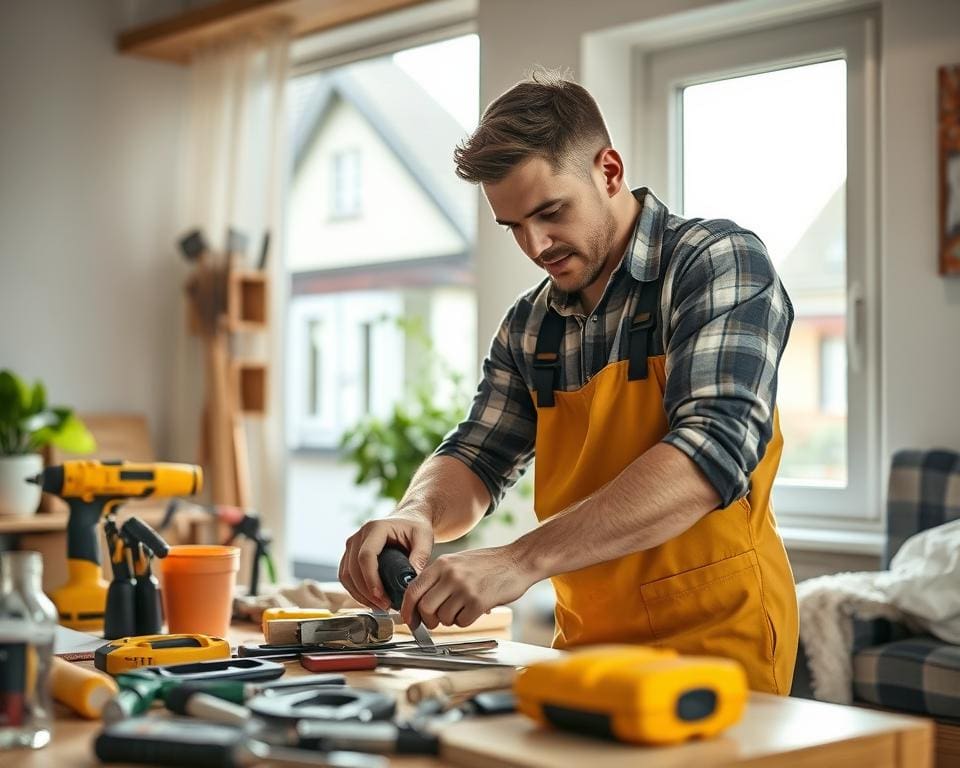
(379, 228)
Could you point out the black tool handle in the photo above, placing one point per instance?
(395, 573)
(138, 530)
(82, 540)
(147, 605)
(169, 741)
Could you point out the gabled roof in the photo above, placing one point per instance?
(411, 123)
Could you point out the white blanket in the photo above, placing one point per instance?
(921, 589)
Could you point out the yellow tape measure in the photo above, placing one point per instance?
(128, 653)
(634, 693)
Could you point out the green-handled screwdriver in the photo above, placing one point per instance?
(238, 691)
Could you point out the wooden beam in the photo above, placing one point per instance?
(177, 38)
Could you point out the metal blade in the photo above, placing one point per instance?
(422, 636)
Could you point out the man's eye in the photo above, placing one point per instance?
(550, 214)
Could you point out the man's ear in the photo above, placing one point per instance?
(609, 166)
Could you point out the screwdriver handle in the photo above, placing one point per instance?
(395, 573)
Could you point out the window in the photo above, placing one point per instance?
(379, 239)
(345, 197)
(754, 128)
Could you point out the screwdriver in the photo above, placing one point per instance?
(396, 573)
(238, 691)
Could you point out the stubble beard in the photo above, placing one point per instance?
(599, 245)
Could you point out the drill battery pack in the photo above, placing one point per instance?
(634, 694)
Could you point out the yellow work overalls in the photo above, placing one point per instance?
(724, 587)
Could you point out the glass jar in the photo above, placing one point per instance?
(28, 623)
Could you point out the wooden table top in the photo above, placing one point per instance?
(775, 731)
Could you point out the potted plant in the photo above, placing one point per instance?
(27, 426)
(388, 451)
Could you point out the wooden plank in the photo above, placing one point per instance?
(176, 39)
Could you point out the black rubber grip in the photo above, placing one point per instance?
(83, 542)
(395, 573)
(138, 530)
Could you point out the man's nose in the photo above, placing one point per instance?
(537, 240)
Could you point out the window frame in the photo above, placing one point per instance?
(660, 76)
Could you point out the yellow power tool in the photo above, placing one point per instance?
(94, 490)
(634, 693)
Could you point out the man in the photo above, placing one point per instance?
(642, 373)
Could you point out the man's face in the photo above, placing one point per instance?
(563, 221)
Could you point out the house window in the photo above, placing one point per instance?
(345, 197)
(754, 128)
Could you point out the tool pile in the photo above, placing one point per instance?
(224, 710)
(237, 711)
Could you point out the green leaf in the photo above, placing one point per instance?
(37, 400)
(9, 400)
(73, 436)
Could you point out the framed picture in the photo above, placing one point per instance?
(949, 133)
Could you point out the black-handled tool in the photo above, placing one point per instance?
(396, 573)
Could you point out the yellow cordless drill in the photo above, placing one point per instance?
(94, 490)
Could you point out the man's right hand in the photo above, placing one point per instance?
(358, 566)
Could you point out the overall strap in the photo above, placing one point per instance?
(643, 324)
(546, 359)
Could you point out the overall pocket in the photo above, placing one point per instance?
(716, 610)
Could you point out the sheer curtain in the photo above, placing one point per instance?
(233, 173)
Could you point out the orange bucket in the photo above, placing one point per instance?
(197, 589)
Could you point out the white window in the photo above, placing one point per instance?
(755, 128)
(346, 178)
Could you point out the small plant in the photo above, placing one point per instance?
(28, 424)
(388, 451)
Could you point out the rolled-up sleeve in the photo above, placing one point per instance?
(496, 440)
(729, 322)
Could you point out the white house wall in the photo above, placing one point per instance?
(398, 220)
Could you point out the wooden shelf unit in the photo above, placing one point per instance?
(250, 384)
(247, 297)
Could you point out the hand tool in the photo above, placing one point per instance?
(437, 712)
(238, 692)
(93, 490)
(140, 687)
(356, 630)
(475, 681)
(133, 599)
(335, 703)
(358, 661)
(634, 693)
(282, 614)
(83, 690)
(396, 573)
(127, 653)
(186, 742)
(144, 543)
(406, 646)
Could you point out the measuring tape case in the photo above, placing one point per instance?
(634, 694)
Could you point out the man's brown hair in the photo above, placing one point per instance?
(546, 115)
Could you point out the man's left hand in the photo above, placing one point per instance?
(457, 589)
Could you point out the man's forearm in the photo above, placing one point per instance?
(657, 497)
(446, 493)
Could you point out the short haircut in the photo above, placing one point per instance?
(546, 115)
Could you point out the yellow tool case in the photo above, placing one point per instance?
(633, 693)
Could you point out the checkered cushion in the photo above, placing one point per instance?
(920, 675)
(924, 491)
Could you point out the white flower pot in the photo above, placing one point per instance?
(17, 496)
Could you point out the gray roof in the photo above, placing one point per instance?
(420, 132)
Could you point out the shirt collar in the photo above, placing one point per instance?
(642, 257)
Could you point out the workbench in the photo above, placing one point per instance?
(775, 731)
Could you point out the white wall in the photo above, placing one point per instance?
(920, 353)
(88, 163)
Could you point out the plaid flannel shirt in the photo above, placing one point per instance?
(723, 322)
